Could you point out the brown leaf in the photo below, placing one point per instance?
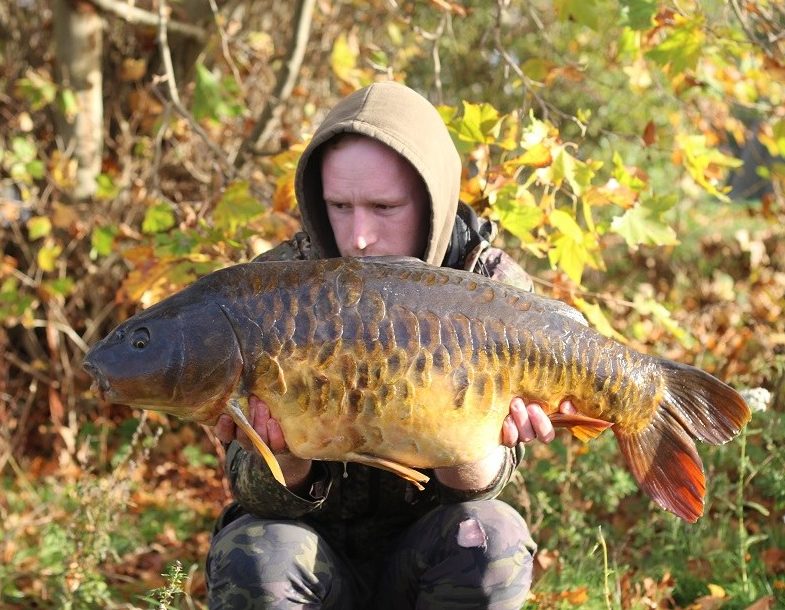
(774, 560)
(133, 69)
(764, 603)
(650, 133)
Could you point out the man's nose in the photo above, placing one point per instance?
(364, 233)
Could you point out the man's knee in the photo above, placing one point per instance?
(470, 554)
(490, 525)
(269, 564)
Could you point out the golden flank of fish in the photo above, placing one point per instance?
(396, 364)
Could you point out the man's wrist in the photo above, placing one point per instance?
(476, 476)
(296, 472)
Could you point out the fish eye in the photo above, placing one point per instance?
(140, 338)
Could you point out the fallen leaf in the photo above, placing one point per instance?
(774, 560)
(764, 603)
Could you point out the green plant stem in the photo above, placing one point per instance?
(605, 569)
(740, 509)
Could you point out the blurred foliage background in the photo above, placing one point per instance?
(631, 151)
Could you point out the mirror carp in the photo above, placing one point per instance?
(400, 365)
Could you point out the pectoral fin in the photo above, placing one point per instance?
(410, 474)
(234, 410)
(583, 427)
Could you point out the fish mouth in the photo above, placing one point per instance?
(100, 385)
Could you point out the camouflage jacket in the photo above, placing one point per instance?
(354, 506)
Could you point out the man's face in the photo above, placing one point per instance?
(376, 202)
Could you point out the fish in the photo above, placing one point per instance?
(400, 365)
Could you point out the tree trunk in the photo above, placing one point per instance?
(79, 46)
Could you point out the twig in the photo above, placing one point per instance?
(159, 139)
(23, 366)
(166, 55)
(174, 96)
(225, 46)
(132, 14)
(740, 509)
(605, 569)
(63, 328)
(285, 83)
(436, 37)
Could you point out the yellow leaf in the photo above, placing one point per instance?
(538, 155)
(716, 590)
(598, 320)
(47, 257)
(284, 198)
(343, 58)
(38, 227)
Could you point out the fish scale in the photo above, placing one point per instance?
(399, 365)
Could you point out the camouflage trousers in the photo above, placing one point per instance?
(470, 555)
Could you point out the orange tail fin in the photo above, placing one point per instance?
(662, 457)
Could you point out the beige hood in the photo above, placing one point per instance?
(405, 121)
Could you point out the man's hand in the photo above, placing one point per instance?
(295, 470)
(524, 423)
(527, 422)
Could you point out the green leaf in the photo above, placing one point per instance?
(178, 243)
(569, 255)
(597, 318)
(642, 225)
(517, 211)
(565, 223)
(36, 169)
(62, 286)
(38, 227)
(13, 303)
(214, 97)
(650, 307)
(68, 104)
(37, 89)
(102, 241)
(638, 14)
(479, 123)
(778, 135)
(584, 12)
(236, 207)
(700, 159)
(107, 189)
(681, 49)
(196, 457)
(448, 113)
(24, 149)
(577, 173)
(158, 217)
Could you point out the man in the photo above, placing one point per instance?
(380, 177)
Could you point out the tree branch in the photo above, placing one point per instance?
(285, 83)
(132, 14)
(174, 96)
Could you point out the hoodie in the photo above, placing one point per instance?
(405, 121)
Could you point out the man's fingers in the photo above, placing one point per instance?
(509, 432)
(276, 441)
(540, 423)
(225, 429)
(567, 407)
(520, 415)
